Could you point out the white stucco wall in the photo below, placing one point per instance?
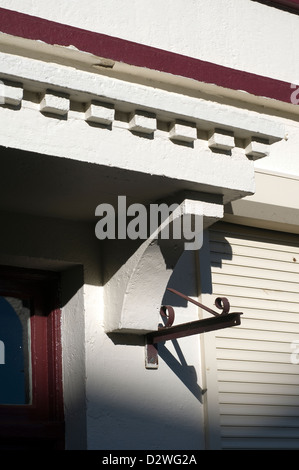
(131, 407)
(240, 34)
(284, 155)
(111, 400)
(69, 248)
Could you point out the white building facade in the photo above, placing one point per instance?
(156, 103)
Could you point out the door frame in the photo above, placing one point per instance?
(40, 423)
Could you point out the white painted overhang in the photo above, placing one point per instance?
(153, 141)
(87, 100)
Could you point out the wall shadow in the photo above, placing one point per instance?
(187, 374)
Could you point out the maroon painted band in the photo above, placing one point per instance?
(101, 45)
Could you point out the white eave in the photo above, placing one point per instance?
(80, 85)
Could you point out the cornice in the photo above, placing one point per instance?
(101, 97)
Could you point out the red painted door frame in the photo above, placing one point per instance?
(39, 424)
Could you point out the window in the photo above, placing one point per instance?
(31, 405)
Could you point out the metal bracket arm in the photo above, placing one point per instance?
(169, 332)
(193, 328)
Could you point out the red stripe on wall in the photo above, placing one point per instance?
(31, 27)
(289, 3)
(292, 6)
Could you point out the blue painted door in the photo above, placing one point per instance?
(13, 384)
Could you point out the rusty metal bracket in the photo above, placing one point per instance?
(224, 319)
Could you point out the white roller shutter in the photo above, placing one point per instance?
(257, 375)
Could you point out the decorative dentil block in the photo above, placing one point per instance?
(257, 148)
(55, 103)
(223, 140)
(143, 122)
(183, 131)
(102, 113)
(11, 94)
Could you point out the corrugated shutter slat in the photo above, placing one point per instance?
(258, 382)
